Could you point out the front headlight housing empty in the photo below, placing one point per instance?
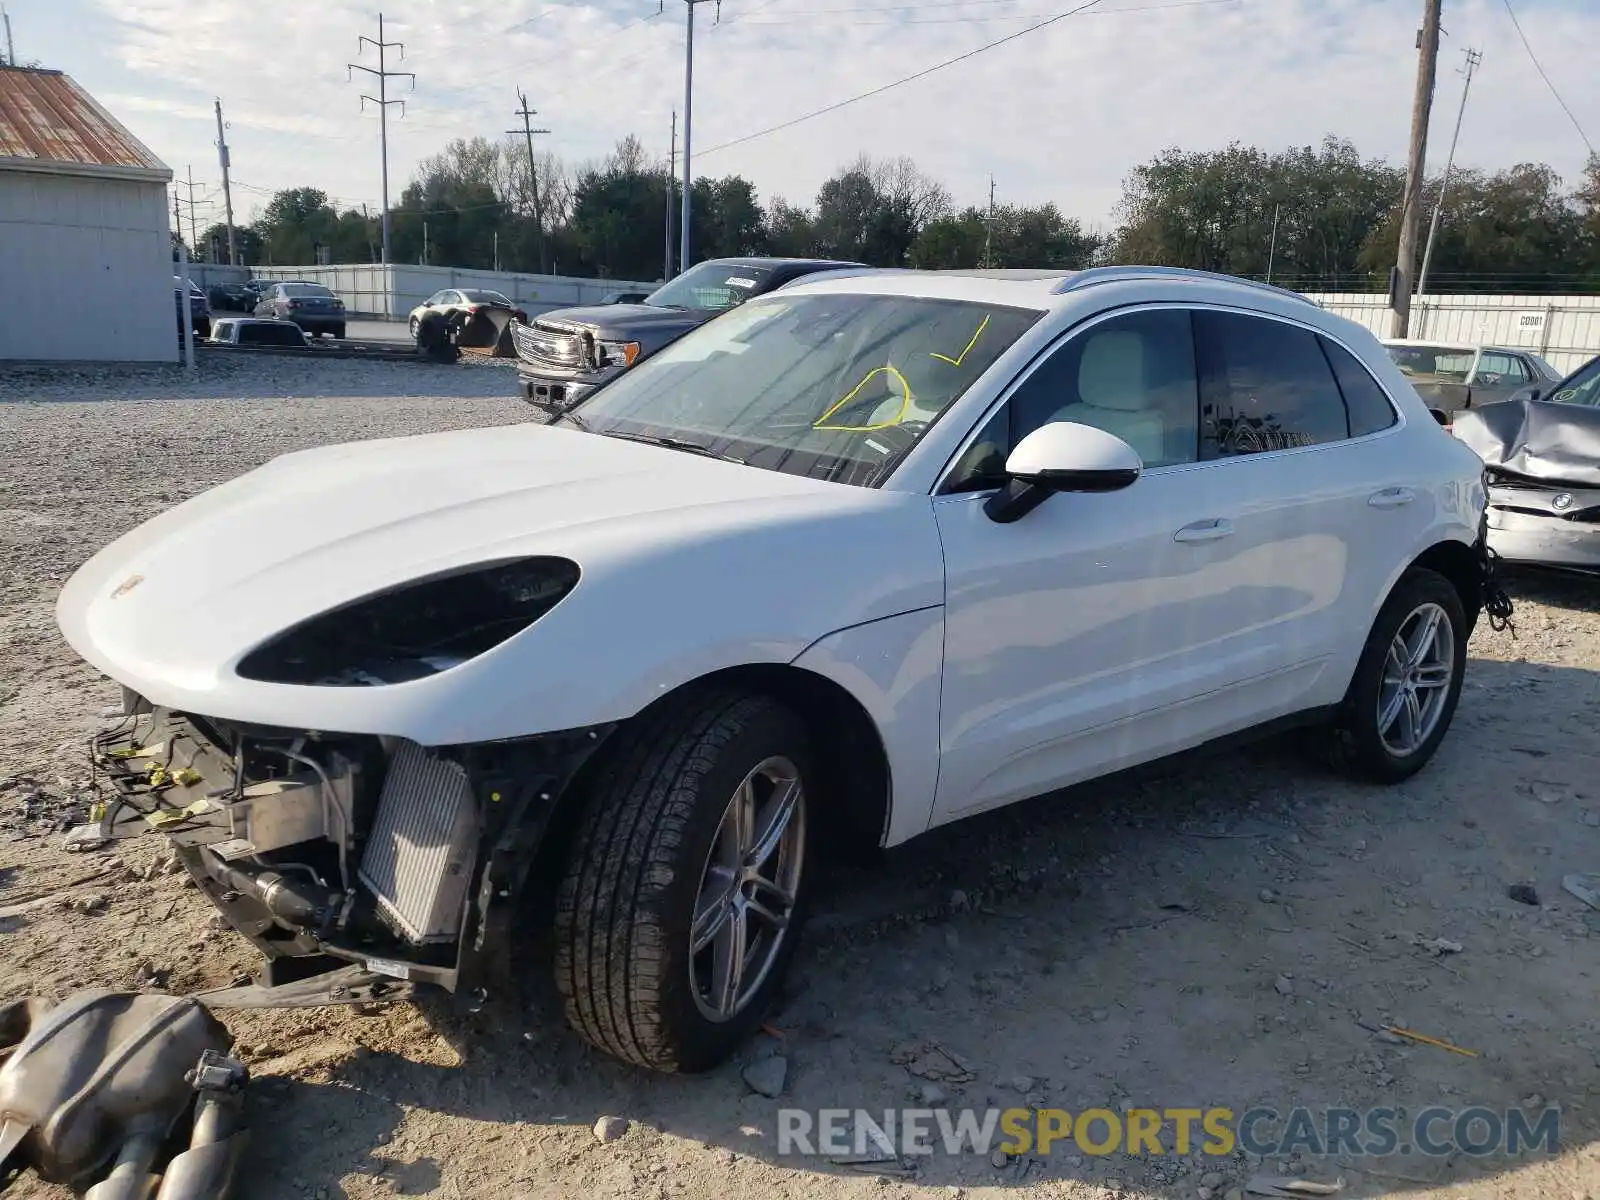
(416, 630)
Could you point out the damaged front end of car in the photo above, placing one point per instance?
(1542, 472)
(388, 861)
(369, 864)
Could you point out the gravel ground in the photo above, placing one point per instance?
(1207, 934)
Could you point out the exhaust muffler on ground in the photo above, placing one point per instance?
(121, 1096)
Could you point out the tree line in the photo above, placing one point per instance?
(1316, 218)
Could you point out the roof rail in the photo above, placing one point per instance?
(1096, 275)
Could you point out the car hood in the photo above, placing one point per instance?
(626, 322)
(171, 607)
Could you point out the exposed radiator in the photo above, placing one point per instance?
(418, 861)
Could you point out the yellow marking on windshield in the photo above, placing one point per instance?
(899, 416)
(962, 357)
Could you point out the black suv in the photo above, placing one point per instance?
(564, 355)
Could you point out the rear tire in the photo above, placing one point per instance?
(412, 326)
(659, 863)
(1406, 684)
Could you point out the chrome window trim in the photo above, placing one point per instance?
(1006, 393)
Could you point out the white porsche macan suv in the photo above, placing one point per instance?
(858, 558)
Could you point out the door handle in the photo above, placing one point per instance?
(1205, 531)
(1391, 497)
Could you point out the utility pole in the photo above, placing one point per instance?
(988, 230)
(1410, 212)
(1272, 248)
(227, 193)
(194, 233)
(527, 131)
(688, 121)
(672, 174)
(1474, 58)
(383, 102)
(11, 51)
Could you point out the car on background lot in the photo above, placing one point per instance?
(230, 297)
(464, 304)
(256, 331)
(624, 297)
(565, 354)
(1452, 377)
(1542, 458)
(252, 292)
(309, 305)
(867, 555)
(198, 308)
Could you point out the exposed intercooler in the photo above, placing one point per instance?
(420, 855)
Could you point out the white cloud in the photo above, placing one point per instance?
(1062, 114)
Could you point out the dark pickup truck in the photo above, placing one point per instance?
(564, 355)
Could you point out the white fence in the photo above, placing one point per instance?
(1564, 330)
(369, 289)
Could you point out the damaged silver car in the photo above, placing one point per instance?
(1542, 460)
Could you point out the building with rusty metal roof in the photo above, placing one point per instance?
(85, 245)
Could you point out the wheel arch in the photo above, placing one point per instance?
(848, 749)
(1457, 562)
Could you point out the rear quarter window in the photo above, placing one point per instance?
(1368, 406)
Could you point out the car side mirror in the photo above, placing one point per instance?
(1527, 393)
(1062, 456)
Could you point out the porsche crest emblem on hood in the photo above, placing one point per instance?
(127, 585)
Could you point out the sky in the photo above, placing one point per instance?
(1062, 113)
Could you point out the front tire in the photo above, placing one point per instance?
(688, 882)
(413, 327)
(1407, 682)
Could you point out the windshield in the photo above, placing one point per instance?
(833, 386)
(710, 287)
(1447, 362)
(1582, 388)
(486, 298)
(305, 289)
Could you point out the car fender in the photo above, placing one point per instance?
(641, 625)
(893, 668)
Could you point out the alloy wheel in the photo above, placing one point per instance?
(1417, 673)
(748, 889)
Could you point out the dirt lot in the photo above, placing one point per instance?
(1209, 934)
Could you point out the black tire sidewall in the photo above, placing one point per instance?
(701, 1042)
(1359, 724)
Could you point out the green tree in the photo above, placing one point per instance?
(1508, 231)
(294, 223)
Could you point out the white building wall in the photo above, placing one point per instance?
(86, 264)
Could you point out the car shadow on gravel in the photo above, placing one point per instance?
(1221, 930)
(1560, 589)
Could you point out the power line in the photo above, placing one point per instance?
(805, 18)
(922, 74)
(1512, 13)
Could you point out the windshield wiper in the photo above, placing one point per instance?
(672, 443)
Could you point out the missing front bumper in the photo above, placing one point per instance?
(375, 858)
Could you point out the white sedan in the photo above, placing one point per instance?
(858, 558)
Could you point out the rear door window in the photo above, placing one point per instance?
(1265, 385)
